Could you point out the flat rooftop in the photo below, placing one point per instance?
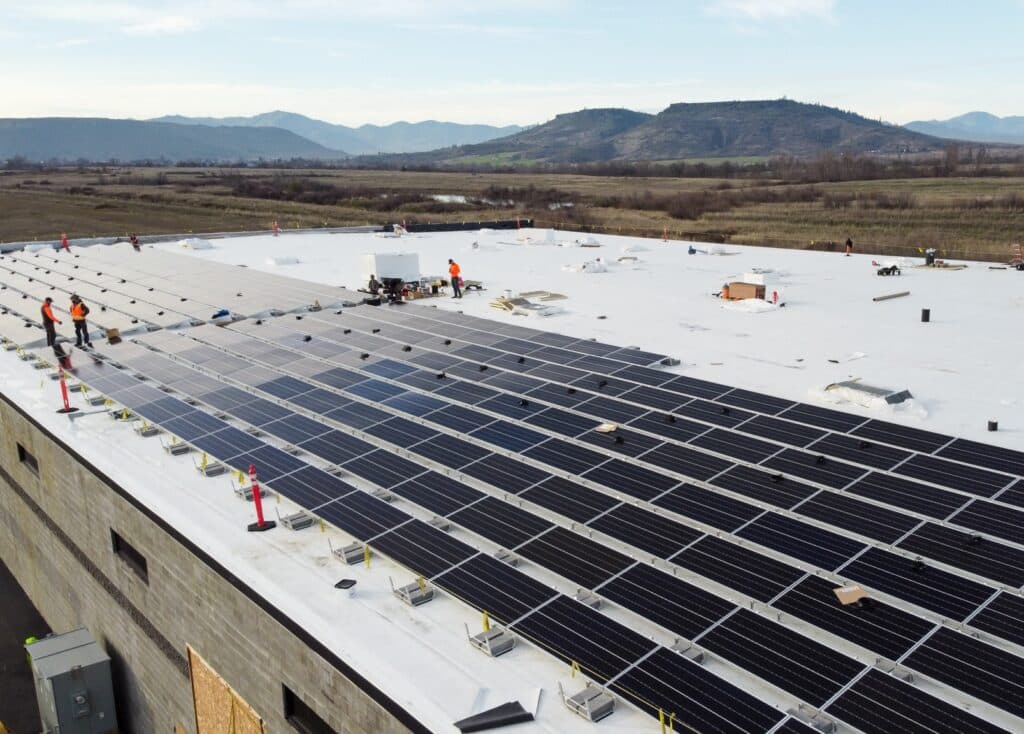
(686, 558)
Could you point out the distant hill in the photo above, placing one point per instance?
(100, 139)
(398, 137)
(982, 127)
(699, 130)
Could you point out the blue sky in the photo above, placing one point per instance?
(502, 62)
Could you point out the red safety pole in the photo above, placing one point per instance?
(275, 228)
(260, 525)
(64, 393)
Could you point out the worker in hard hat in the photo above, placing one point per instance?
(78, 313)
(48, 321)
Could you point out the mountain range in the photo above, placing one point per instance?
(101, 139)
(398, 137)
(977, 126)
(698, 130)
(737, 129)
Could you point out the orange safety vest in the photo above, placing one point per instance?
(78, 312)
(48, 312)
(454, 270)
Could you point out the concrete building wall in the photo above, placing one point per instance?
(55, 536)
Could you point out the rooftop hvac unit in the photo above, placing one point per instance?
(73, 684)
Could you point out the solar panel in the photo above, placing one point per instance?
(422, 548)
(561, 421)
(755, 401)
(790, 660)
(880, 703)
(687, 461)
(459, 418)
(575, 557)
(505, 473)
(1003, 617)
(628, 478)
(676, 605)
(566, 456)
(607, 409)
(505, 524)
(914, 439)
(668, 426)
(736, 445)
(881, 628)
(772, 488)
(695, 388)
(910, 495)
(720, 415)
(952, 474)
(383, 468)
(575, 633)
(646, 530)
(932, 588)
(655, 398)
(815, 415)
(801, 540)
(860, 451)
(815, 468)
(987, 672)
(994, 519)
(857, 516)
(414, 403)
(437, 493)
(980, 454)
(402, 432)
(708, 507)
(494, 587)
(644, 375)
(984, 557)
(621, 441)
(570, 499)
(737, 567)
(509, 436)
(450, 451)
(666, 681)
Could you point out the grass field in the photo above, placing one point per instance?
(962, 217)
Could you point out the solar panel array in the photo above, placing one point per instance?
(721, 516)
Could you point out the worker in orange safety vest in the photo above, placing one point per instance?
(48, 321)
(456, 275)
(78, 313)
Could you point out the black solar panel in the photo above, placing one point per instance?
(652, 397)
(914, 439)
(736, 445)
(857, 516)
(566, 456)
(771, 487)
(880, 704)
(1003, 617)
(357, 415)
(695, 388)
(501, 522)
(362, 515)
(450, 451)
(621, 441)
(644, 375)
(668, 426)
(569, 499)
(720, 415)
(985, 557)
(932, 588)
(738, 567)
(383, 468)
(815, 468)
(790, 660)
(910, 495)
(676, 605)
(994, 519)
(801, 540)
(628, 478)
(708, 507)
(610, 410)
(509, 436)
(859, 451)
(755, 401)
(814, 415)
(422, 548)
(336, 447)
(947, 473)
(881, 628)
(980, 454)
(576, 557)
(575, 633)
(687, 461)
(650, 532)
(494, 587)
(437, 493)
(783, 431)
(401, 431)
(987, 672)
(702, 701)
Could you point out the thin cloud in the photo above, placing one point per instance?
(163, 26)
(769, 10)
(72, 42)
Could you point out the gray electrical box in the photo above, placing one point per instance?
(73, 684)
